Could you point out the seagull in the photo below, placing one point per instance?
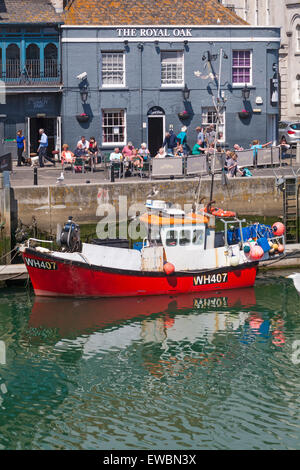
(153, 193)
(61, 178)
(296, 280)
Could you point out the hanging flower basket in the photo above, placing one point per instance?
(82, 117)
(244, 114)
(183, 115)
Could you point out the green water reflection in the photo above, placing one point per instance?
(184, 372)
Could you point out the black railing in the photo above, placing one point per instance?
(33, 72)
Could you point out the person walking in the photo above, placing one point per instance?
(21, 147)
(42, 149)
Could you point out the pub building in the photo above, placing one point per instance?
(131, 74)
(30, 73)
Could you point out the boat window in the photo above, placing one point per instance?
(171, 238)
(198, 237)
(184, 237)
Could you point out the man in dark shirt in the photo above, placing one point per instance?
(170, 141)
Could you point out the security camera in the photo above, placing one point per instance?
(82, 76)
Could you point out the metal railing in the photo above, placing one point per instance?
(34, 72)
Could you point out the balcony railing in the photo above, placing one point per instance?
(32, 72)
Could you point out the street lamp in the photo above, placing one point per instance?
(186, 93)
(245, 92)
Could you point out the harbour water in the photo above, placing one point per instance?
(220, 371)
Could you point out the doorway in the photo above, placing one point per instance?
(51, 127)
(155, 133)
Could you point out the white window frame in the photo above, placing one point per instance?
(239, 84)
(205, 122)
(114, 85)
(172, 85)
(113, 144)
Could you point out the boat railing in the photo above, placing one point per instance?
(37, 240)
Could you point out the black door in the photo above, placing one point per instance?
(49, 126)
(155, 134)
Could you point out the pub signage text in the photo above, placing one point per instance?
(154, 32)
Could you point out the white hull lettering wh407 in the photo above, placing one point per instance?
(210, 279)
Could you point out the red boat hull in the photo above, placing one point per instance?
(52, 276)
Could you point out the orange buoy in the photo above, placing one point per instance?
(256, 252)
(169, 268)
(278, 229)
(280, 248)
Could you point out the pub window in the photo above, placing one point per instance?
(10, 129)
(209, 116)
(113, 69)
(241, 67)
(172, 68)
(298, 38)
(113, 126)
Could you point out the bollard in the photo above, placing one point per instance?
(298, 153)
(112, 173)
(35, 177)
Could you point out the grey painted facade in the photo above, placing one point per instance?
(82, 49)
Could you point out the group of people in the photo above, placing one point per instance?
(131, 156)
(86, 153)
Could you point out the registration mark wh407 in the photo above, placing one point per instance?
(210, 279)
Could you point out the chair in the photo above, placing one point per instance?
(117, 168)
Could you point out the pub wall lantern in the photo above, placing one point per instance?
(186, 93)
(245, 92)
(84, 93)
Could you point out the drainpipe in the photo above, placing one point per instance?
(141, 47)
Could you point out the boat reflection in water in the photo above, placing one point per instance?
(70, 317)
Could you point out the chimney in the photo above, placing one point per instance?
(58, 5)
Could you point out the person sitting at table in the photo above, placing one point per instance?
(80, 156)
(161, 153)
(116, 155)
(66, 155)
(128, 151)
(85, 144)
(178, 151)
(93, 151)
(198, 148)
(144, 152)
(136, 159)
(237, 148)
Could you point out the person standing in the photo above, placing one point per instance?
(170, 142)
(21, 147)
(182, 139)
(42, 150)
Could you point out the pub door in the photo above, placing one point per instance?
(155, 133)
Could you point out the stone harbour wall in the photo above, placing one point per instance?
(54, 204)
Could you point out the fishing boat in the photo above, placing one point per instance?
(182, 253)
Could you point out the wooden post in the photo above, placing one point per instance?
(5, 216)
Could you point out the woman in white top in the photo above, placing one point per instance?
(161, 153)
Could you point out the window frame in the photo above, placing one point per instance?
(239, 84)
(118, 143)
(205, 122)
(113, 85)
(171, 85)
